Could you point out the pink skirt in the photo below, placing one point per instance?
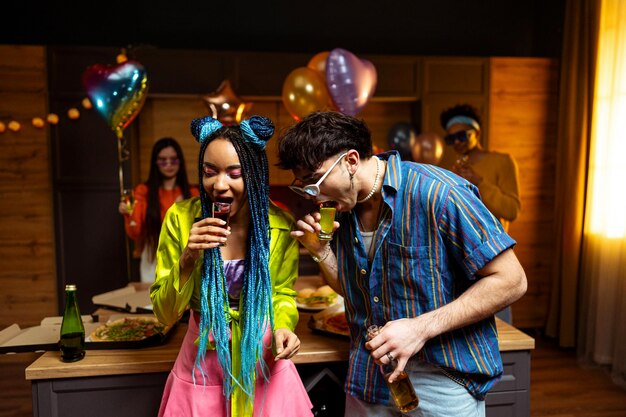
(284, 394)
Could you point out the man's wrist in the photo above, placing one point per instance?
(323, 256)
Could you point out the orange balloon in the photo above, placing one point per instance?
(304, 92)
(318, 64)
(427, 148)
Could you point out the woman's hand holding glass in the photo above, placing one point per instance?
(205, 234)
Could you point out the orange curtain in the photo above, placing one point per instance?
(575, 106)
(602, 328)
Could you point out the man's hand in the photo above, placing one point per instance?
(401, 339)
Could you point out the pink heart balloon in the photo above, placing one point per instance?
(351, 81)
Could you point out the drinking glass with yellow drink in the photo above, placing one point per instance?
(128, 198)
(327, 219)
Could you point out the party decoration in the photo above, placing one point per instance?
(121, 57)
(351, 81)
(52, 119)
(304, 92)
(318, 64)
(118, 92)
(400, 137)
(86, 103)
(38, 122)
(225, 105)
(427, 148)
(73, 113)
(14, 126)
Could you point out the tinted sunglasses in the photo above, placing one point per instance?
(461, 136)
(165, 161)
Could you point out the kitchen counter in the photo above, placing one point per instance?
(316, 348)
(121, 378)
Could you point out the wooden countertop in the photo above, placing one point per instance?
(316, 347)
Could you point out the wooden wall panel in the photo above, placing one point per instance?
(27, 276)
(171, 116)
(523, 102)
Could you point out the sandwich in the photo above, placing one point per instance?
(315, 298)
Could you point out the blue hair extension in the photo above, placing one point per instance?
(203, 127)
(256, 295)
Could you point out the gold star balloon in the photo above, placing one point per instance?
(225, 105)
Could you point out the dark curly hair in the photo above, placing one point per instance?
(459, 110)
(319, 136)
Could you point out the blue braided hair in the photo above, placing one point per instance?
(256, 313)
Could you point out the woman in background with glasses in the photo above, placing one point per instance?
(167, 183)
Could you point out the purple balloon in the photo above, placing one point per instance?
(351, 81)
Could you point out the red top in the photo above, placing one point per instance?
(134, 224)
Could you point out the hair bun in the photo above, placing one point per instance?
(257, 130)
(262, 126)
(203, 127)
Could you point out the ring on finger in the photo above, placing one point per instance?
(389, 356)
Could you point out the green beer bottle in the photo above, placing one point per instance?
(72, 343)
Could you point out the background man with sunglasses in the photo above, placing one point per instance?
(414, 250)
(495, 174)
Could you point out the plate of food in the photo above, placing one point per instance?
(128, 331)
(317, 299)
(331, 320)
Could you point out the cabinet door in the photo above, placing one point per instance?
(451, 81)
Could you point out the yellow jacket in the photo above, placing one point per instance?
(169, 301)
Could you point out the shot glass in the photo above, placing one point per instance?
(128, 197)
(221, 211)
(327, 220)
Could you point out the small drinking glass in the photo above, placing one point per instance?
(327, 219)
(221, 211)
(128, 197)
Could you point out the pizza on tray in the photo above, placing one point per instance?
(337, 323)
(333, 321)
(127, 329)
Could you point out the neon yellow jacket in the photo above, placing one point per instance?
(169, 301)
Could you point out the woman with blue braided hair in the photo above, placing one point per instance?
(237, 280)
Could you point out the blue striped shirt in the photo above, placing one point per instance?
(434, 235)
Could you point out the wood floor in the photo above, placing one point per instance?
(559, 386)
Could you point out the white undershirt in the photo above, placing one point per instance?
(367, 240)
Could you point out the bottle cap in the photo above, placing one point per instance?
(70, 287)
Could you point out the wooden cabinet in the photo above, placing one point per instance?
(451, 81)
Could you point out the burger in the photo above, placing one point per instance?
(316, 298)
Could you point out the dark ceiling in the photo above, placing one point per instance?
(415, 27)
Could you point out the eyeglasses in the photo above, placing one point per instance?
(461, 136)
(313, 190)
(165, 161)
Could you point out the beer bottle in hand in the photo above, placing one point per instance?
(401, 389)
(72, 343)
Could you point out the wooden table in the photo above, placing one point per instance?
(129, 382)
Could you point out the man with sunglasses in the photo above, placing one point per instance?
(495, 174)
(414, 250)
